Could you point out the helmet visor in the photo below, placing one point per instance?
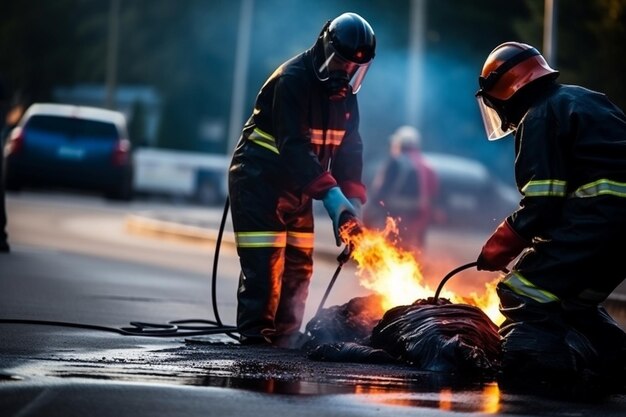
(491, 120)
(335, 63)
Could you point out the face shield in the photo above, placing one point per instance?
(341, 75)
(494, 126)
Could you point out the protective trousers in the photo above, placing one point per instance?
(555, 326)
(550, 341)
(274, 235)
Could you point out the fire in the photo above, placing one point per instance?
(396, 275)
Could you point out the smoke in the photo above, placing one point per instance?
(450, 118)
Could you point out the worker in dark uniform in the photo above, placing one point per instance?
(570, 168)
(301, 142)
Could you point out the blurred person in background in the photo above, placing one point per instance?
(570, 168)
(404, 188)
(301, 143)
(4, 105)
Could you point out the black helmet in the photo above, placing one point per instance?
(343, 53)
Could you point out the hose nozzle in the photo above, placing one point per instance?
(349, 228)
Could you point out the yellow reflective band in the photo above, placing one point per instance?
(300, 239)
(333, 136)
(601, 187)
(263, 139)
(520, 285)
(261, 239)
(545, 188)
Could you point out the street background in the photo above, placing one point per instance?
(185, 74)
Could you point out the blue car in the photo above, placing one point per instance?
(76, 147)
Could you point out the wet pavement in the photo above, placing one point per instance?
(58, 371)
(230, 379)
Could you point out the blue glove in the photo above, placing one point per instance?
(335, 204)
(358, 207)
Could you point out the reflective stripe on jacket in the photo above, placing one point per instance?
(315, 141)
(571, 144)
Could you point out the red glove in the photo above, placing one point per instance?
(500, 249)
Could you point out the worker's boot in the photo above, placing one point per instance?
(258, 294)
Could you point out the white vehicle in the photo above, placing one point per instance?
(191, 175)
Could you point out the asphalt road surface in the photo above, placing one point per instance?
(73, 261)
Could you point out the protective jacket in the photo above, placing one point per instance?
(315, 141)
(295, 146)
(570, 167)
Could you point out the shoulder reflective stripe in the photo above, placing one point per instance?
(261, 239)
(601, 187)
(333, 136)
(263, 139)
(520, 285)
(300, 239)
(548, 188)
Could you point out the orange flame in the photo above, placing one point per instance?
(396, 276)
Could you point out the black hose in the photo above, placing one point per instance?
(450, 275)
(175, 328)
(179, 328)
(343, 257)
(170, 329)
(216, 256)
(330, 286)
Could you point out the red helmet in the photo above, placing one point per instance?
(509, 67)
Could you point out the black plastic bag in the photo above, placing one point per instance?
(430, 336)
(350, 322)
(442, 337)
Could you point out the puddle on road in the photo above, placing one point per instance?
(429, 391)
(385, 391)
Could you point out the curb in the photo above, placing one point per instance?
(202, 233)
(138, 224)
